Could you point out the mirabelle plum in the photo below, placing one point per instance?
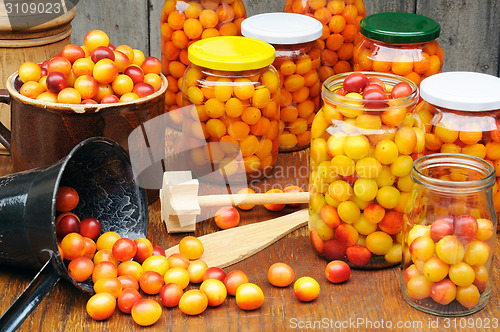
(394, 255)
(193, 302)
(379, 243)
(59, 64)
(365, 189)
(435, 269)
(358, 255)
(105, 71)
(450, 250)
(86, 86)
(246, 191)
(340, 190)
(468, 296)
(485, 229)
(95, 38)
(417, 231)
(419, 287)
(392, 222)
(69, 96)
(441, 227)
(374, 213)
(422, 248)
(306, 289)
(477, 253)
(481, 278)
(56, 81)
(32, 89)
(465, 227)
(356, 147)
(29, 71)
(386, 152)
(444, 291)
(330, 216)
(227, 217)
(347, 234)
(409, 273)
(388, 197)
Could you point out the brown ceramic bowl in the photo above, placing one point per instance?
(42, 133)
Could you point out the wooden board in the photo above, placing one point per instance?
(125, 21)
(247, 240)
(469, 34)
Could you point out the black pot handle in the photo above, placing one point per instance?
(5, 135)
(43, 282)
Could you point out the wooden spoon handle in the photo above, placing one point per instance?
(228, 247)
(254, 199)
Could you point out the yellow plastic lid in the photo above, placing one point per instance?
(231, 53)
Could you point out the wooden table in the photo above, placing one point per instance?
(367, 301)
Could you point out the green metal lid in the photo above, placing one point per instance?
(400, 28)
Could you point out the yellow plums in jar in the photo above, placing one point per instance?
(236, 100)
(367, 136)
(448, 231)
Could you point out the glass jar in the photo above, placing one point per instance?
(461, 113)
(399, 43)
(297, 60)
(449, 236)
(182, 23)
(234, 93)
(340, 19)
(359, 181)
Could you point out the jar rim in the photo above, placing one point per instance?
(331, 97)
(457, 160)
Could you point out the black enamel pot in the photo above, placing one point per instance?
(100, 171)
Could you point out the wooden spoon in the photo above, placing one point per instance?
(228, 247)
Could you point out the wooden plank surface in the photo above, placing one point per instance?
(125, 21)
(470, 33)
(368, 299)
(380, 6)
(469, 36)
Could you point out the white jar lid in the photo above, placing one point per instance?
(462, 91)
(282, 28)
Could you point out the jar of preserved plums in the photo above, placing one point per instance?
(449, 235)
(461, 114)
(399, 43)
(297, 60)
(233, 91)
(184, 22)
(340, 19)
(364, 141)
